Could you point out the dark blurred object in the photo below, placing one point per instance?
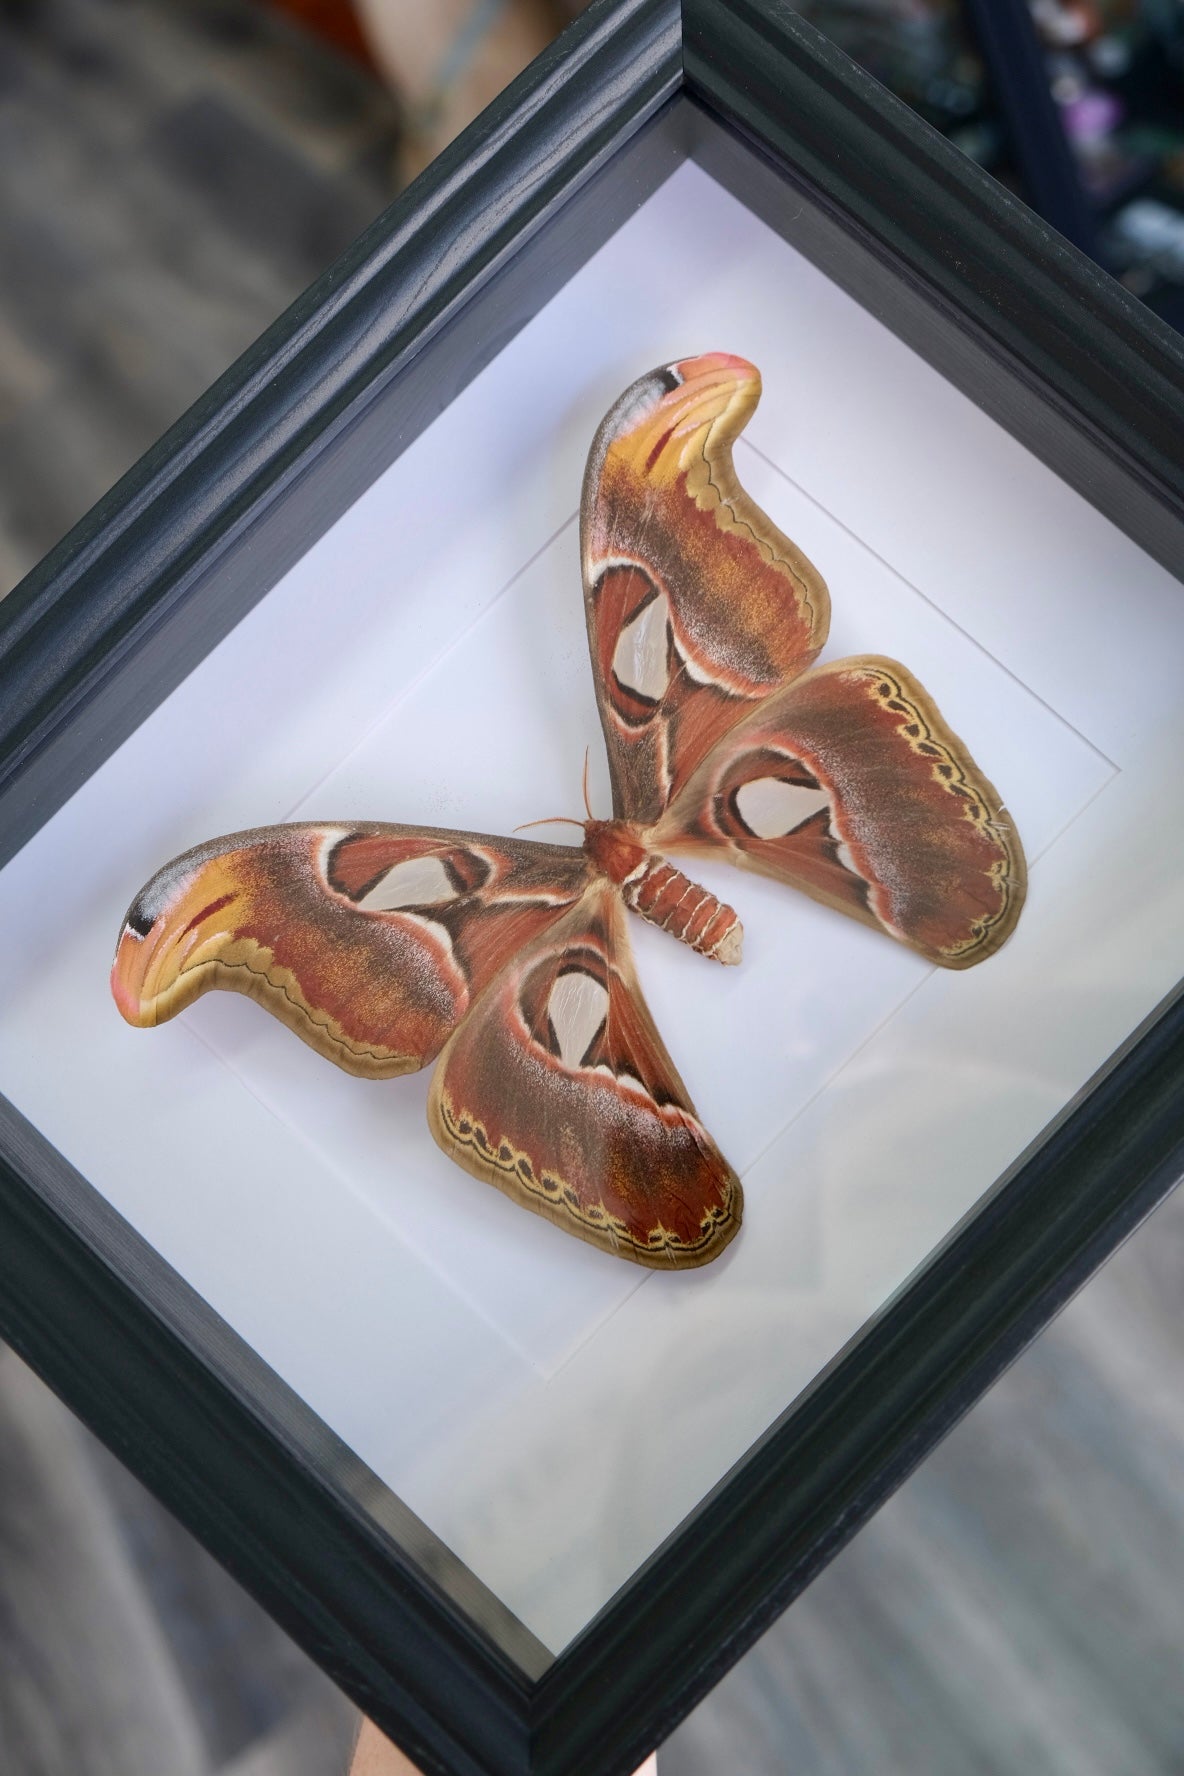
(1116, 74)
(124, 1649)
(922, 49)
(1076, 104)
(1017, 1609)
(171, 177)
(334, 20)
(926, 52)
(445, 60)
(1050, 178)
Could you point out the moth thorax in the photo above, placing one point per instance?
(614, 847)
(664, 896)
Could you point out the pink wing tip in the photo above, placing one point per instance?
(127, 980)
(717, 363)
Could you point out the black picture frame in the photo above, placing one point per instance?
(117, 615)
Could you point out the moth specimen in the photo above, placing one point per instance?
(507, 961)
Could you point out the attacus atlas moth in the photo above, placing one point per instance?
(507, 962)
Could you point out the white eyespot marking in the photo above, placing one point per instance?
(770, 808)
(695, 669)
(846, 859)
(417, 881)
(639, 658)
(577, 1008)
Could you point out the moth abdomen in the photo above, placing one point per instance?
(664, 896)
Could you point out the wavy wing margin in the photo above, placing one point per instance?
(557, 1089)
(850, 786)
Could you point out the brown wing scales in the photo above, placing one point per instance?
(697, 605)
(850, 786)
(557, 1089)
(369, 942)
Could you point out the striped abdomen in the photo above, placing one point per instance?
(664, 896)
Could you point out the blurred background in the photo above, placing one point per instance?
(172, 174)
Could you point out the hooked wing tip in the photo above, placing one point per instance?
(127, 977)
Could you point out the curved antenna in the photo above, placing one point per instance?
(550, 820)
(587, 803)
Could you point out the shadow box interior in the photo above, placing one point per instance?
(548, 1413)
